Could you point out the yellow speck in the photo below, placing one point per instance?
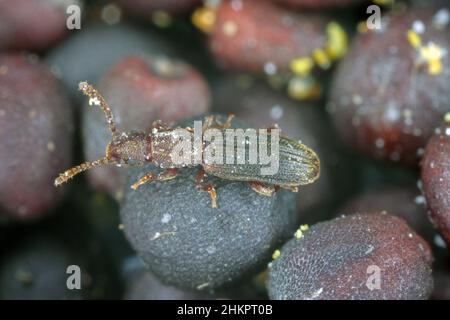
(337, 41)
(303, 88)
(276, 254)
(161, 19)
(362, 27)
(434, 67)
(414, 39)
(447, 117)
(302, 66)
(120, 226)
(321, 58)
(204, 18)
(229, 28)
(432, 54)
(304, 227)
(298, 234)
(300, 231)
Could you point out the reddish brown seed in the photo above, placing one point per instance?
(391, 90)
(144, 8)
(36, 136)
(315, 4)
(404, 202)
(436, 179)
(139, 91)
(341, 259)
(250, 35)
(31, 25)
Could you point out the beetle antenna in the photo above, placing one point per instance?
(69, 174)
(96, 98)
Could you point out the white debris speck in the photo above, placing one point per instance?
(441, 18)
(276, 112)
(438, 241)
(392, 113)
(379, 143)
(418, 26)
(229, 28)
(447, 132)
(419, 200)
(202, 286)
(211, 249)
(111, 14)
(94, 101)
(270, 68)
(50, 146)
(410, 235)
(369, 249)
(317, 293)
(166, 218)
(156, 236)
(357, 99)
(420, 152)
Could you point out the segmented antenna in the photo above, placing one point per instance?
(69, 174)
(96, 98)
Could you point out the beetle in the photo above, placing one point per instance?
(297, 164)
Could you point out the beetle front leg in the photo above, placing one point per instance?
(212, 122)
(226, 124)
(163, 176)
(267, 190)
(211, 189)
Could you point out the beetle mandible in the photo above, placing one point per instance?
(298, 164)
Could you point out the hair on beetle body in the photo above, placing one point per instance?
(296, 164)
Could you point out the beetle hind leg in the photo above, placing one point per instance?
(291, 188)
(267, 190)
(210, 188)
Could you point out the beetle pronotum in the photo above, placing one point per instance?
(298, 164)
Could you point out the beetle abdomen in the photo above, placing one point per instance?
(297, 165)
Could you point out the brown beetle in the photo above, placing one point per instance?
(297, 164)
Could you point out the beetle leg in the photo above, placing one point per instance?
(212, 122)
(199, 178)
(212, 193)
(226, 124)
(208, 122)
(168, 174)
(292, 188)
(163, 176)
(267, 190)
